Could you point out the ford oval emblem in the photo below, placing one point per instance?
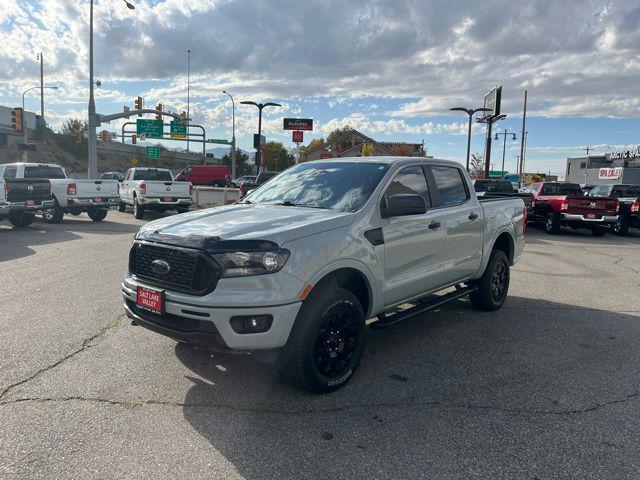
(160, 267)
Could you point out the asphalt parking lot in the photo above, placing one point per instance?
(547, 387)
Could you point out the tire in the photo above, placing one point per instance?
(122, 207)
(598, 231)
(138, 210)
(493, 286)
(552, 223)
(21, 219)
(621, 227)
(97, 214)
(74, 211)
(53, 215)
(315, 358)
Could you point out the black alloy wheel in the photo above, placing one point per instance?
(336, 341)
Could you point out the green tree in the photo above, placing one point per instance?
(74, 128)
(242, 162)
(476, 166)
(276, 157)
(338, 132)
(313, 144)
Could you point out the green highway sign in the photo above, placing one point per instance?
(178, 129)
(149, 128)
(220, 140)
(153, 152)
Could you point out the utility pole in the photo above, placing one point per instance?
(522, 140)
(42, 122)
(504, 146)
(233, 136)
(188, 93)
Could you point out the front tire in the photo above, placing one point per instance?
(326, 343)
(21, 219)
(493, 286)
(552, 224)
(138, 210)
(97, 214)
(53, 215)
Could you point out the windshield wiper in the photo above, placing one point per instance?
(291, 204)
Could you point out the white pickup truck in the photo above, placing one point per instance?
(70, 195)
(291, 272)
(154, 189)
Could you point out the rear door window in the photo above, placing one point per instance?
(451, 186)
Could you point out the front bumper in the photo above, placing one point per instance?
(209, 325)
(570, 217)
(23, 207)
(176, 202)
(106, 202)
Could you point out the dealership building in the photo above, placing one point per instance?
(608, 168)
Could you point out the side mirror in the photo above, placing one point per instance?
(404, 204)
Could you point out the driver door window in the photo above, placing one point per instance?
(409, 180)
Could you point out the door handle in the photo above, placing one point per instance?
(473, 216)
(434, 225)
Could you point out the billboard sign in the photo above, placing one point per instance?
(297, 124)
(609, 173)
(297, 136)
(492, 101)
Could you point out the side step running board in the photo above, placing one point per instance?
(385, 321)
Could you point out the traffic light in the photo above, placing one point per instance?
(159, 108)
(183, 117)
(105, 136)
(16, 119)
(138, 105)
(134, 139)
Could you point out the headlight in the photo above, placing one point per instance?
(243, 264)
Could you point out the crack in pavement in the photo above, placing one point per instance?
(86, 344)
(406, 402)
(617, 262)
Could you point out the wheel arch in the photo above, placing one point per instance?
(504, 241)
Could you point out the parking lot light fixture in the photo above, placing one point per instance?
(471, 112)
(260, 106)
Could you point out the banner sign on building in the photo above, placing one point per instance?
(297, 124)
(610, 173)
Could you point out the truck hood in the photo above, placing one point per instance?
(279, 224)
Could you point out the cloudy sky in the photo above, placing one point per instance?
(390, 68)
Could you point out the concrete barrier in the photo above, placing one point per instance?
(206, 197)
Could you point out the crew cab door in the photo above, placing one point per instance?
(413, 244)
(462, 223)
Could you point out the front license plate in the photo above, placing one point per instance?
(152, 300)
(167, 199)
(97, 200)
(30, 203)
(591, 215)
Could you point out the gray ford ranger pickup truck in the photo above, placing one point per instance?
(299, 268)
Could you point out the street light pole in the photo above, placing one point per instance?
(471, 112)
(188, 93)
(504, 146)
(91, 124)
(25, 154)
(233, 136)
(260, 106)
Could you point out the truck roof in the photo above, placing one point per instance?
(387, 160)
(28, 164)
(151, 168)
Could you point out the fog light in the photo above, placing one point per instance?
(251, 323)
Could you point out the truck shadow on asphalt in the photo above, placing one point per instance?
(433, 393)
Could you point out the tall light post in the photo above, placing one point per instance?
(260, 106)
(188, 93)
(92, 141)
(471, 112)
(233, 136)
(25, 155)
(504, 146)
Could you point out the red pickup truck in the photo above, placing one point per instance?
(557, 204)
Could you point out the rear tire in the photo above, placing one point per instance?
(138, 210)
(552, 223)
(326, 343)
(21, 219)
(122, 207)
(97, 214)
(621, 227)
(493, 286)
(53, 215)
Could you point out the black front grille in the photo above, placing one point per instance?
(191, 271)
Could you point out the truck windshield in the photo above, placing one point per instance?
(43, 171)
(561, 189)
(153, 175)
(341, 186)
